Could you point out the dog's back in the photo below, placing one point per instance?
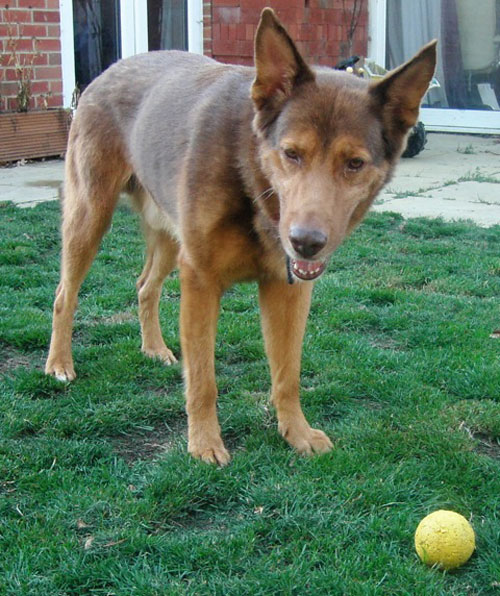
(170, 110)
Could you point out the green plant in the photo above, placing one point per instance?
(467, 150)
(22, 63)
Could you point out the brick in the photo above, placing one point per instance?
(27, 60)
(216, 31)
(249, 31)
(53, 4)
(315, 47)
(332, 48)
(336, 16)
(224, 32)
(14, 15)
(291, 16)
(34, 31)
(293, 30)
(38, 87)
(227, 14)
(55, 101)
(232, 32)
(9, 89)
(245, 48)
(326, 61)
(316, 16)
(11, 104)
(331, 32)
(48, 45)
(32, 3)
(40, 59)
(249, 15)
(224, 47)
(241, 60)
(20, 45)
(54, 31)
(305, 32)
(54, 58)
(56, 87)
(48, 72)
(46, 16)
(276, 4)
(9, 74)
(48, 100)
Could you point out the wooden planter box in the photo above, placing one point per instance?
(40, 133)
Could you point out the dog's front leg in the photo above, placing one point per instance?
(200, 297)
(284, 310)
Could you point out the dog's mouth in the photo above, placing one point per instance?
(307, 270)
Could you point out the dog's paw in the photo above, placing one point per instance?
(211, 452)
(163, 354)
(308, 441)
(63, 372)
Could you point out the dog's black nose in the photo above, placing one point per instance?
(306, 242)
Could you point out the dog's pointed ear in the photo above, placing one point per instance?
(279, 65)
(399, 94)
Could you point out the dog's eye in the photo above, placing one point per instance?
(292, 155)
(355, 164)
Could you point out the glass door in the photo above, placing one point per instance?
(468, 99)
(167, 25)
(97, 38)
(96, 33)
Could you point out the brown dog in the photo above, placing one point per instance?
(240, 174)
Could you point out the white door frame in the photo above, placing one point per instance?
(133, 27)
(435, 119)
(67, 50)
(134, 35)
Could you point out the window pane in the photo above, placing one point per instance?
(167, 24)
(469, 48)
(97, 37)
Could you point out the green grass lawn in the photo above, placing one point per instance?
(98, 494)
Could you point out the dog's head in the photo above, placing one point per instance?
(328, 141)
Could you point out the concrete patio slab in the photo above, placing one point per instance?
(31, 183)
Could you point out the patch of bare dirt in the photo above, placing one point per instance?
(487, 445)
(120, 317)
(148, 444)
(12, 359)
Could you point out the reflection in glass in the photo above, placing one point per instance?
(167, 24)
(97, 38)
(469, 48)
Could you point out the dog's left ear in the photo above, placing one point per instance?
(280, 67)
(399, 94)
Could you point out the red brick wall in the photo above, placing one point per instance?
(319, 27)
(30, 29)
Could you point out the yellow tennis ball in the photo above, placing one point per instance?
(445, 538)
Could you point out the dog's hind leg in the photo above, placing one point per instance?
(92, 183)
(284, 310)
(161, 258)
